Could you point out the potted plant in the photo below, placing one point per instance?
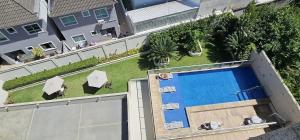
(161, 50)
(38, 53)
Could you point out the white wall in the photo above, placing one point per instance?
(281, 97)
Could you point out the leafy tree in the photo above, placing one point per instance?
(161, 49)
(296, 2)
(239, 45)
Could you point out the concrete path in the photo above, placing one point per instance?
(140, 109)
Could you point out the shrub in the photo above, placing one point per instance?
(46, 74)
(38, 53)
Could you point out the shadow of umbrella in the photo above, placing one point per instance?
(49, 97)
(89, 90)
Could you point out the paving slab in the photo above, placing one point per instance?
(15, 124)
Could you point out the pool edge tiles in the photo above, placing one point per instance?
(208, 87)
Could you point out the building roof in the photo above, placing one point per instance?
(160, 10)
(64, 7)
(16, 12)
(291, 132)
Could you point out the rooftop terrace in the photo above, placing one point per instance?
(91, 118)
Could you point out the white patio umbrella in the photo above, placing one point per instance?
(97, 79)
(53, 85)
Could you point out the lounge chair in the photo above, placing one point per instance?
(165, 76)
(167, 89)
(170, 106)
(173, 125)
(254, 120)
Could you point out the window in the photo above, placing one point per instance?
(68, 20)
(29, 48)
(101, 13)
(3, 38)
(86, 13)
(48, 46)
(32, 28)
(78, 38)
(11, 30)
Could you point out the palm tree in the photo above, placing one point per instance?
(239, 44)
(161, 50)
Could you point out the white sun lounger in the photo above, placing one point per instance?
(170, 106)
(174, 125)
(167, 89)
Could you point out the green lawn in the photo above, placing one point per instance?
(118, 73)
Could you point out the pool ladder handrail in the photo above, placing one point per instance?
(245, 90)
(239, 93)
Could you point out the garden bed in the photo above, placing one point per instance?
(119, 74)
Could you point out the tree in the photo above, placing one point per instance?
(38, 53)
(161, 50)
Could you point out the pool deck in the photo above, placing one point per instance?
(231, 115)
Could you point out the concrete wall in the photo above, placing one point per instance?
(101, 51)
(281, 97)
(87, 24)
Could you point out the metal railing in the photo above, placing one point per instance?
(67, 101)
(165, 20)
(201, 67)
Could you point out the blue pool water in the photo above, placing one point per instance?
(209, 87)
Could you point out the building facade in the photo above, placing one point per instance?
(85, 23)
(23, 26)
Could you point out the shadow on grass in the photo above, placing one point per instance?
(144, 63)
(50, 97)
(89, 90)
(216, 54)
(182, 52)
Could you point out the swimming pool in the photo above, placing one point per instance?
(209, 87)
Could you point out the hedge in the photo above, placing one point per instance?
(46, 74)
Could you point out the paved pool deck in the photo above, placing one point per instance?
(231, 114)
(105, 120)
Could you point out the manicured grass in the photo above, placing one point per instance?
(119, 74)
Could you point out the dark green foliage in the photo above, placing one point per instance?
(161, 49)
(268, 28)
(193, 38)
